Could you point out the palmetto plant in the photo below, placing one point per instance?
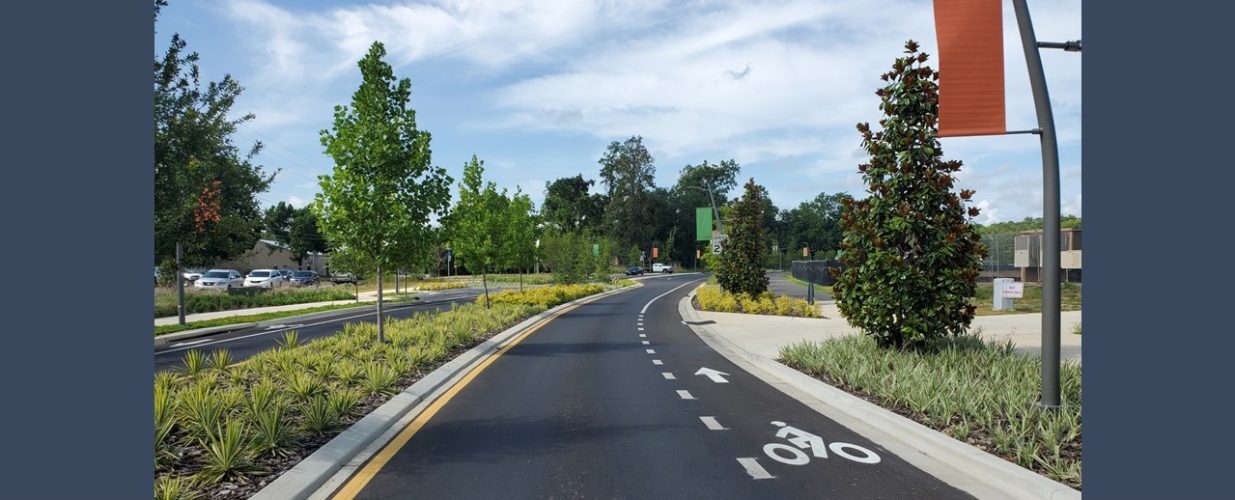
(174, 488)
(220, 359)
(379, 379)
(305, 386)
(290, 340)
(164, 422)
(342, 401)
(203, 409)
(271, 431)
(318, 417)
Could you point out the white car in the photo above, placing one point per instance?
(662, 268)
(264, 278)
(192, 275)
(219, 279)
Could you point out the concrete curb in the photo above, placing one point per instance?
(162, 340)
(331, 465)
(957, 463)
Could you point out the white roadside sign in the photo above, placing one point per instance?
(1013, 290)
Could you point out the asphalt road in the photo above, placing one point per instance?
(250, 341)
(583, 409)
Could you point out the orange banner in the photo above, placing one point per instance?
(971, 93)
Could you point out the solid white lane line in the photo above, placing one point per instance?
(646, 343)
(668, 376)
(712, 424)
(755, 470)
(685, 395)
(651, 351)
(645, 306)
(657, 362)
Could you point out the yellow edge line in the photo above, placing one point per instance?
(359, 480)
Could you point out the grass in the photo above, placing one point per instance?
(711, 297)
(1076, 328)
(1069, 300)
(252, 318)
(818, 288)
(218, 423)
(981, 393)
(199, 301)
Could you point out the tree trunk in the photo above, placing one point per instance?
(520, 279)
(484, 280)
(381, 337)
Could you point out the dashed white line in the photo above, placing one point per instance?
(651, 351)
(685, 395)
(646, 343)
(755, 470)
(643, 335)
(657, 362)
(668, 376)
(641, 328)
(712, 424)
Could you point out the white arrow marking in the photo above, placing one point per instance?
(712, 424)
(668, 376)
(755, 470)
(716, 376)
(657, 362)
(192, 342)
(685, 395)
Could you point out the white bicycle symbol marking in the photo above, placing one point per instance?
(802, 440)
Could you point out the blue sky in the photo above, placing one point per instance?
(537, 89)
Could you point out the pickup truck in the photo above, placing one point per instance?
(662, 268)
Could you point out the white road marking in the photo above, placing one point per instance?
(715, 375)
(191, 342)
(712, 423)
(685, 395)
(755, 470)
(643, 335)
(646, 343)
(668, 376)
(657, 362)
(641, 328)
(651, 351)
(640, 324)
(645, 306)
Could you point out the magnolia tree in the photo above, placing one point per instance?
(741, 262)
(910, 255)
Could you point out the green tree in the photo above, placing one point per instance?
(569, 207)
(480, 223)
(520, 240)
(378, 202)
(278, 221)
(815, 224)
(910, 254)
(304, 237)
(741, 262)
(205, 189)
(627, 172)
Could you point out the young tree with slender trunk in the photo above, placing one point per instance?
(378, 202)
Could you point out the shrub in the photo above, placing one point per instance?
(229, 453)
(545, 297)
(712, 298)
(910, 256)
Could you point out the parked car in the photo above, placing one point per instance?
(342, 278)
(156, 275)
(219, 279)
(635, 271)
(264, 278)
(287, 274)
(192, 274)
(662, 268)
(302, 278)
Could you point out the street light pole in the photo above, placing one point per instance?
(1050, 209)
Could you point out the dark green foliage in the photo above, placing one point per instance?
(910, 254)
(569, 207)
(205, 188)
(741, 263)
(627, 172)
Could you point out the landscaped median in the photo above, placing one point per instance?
(224, 429)
(977, 392)
(251, 318)
(196, 301)
(711, 297)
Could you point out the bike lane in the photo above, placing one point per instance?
(584, 408)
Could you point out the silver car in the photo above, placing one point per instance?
(219, 279)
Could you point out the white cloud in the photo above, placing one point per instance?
(295, 201)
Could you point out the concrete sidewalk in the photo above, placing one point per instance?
(765, 335)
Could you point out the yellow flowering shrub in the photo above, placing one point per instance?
(713, 298)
